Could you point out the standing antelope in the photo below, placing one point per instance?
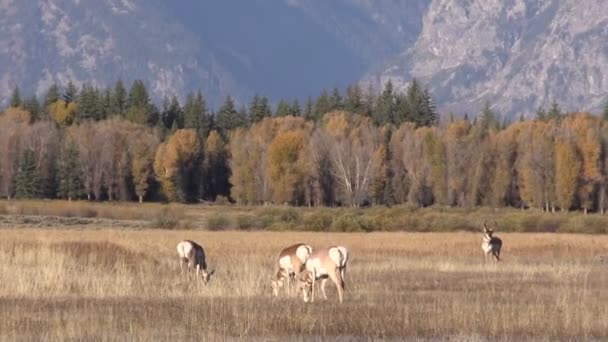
(322, 264)
(490, 245)
(192, 253)
(291, 261)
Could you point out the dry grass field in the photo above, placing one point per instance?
(113, 284)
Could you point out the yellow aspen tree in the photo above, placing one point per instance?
(174, 165)
(586, 130)
(284, 159)
(567, 168)
(63, 113)
(242, 160)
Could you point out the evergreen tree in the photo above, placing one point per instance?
(415, 102)
(488, 118)
(555, 112)
(541, 114)
(369, 102)
(385, 107)
(139, 108)
(336, 102)
(429, 116)
(309, 110)
(283, 108)
(196, 114)
(259, 108)
(354, 100)
(33, 106)
(88, 104)
(118, 103)
(243, 116)
(228, 118)
(322, 106)
(27, 181)
(16, 98)
(104, 104)
(70, 93)
(605, 113)
(295, 108)
(70, 174)
(52, 95)
(172, 114)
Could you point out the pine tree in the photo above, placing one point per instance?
(27, 182)
(369, 102)
(70, 174)
(541, 114)
(172, 113)
(104, 104)
(336, 102)
(52, 95)
(118, 103)
(283, 109)
(33, 106)
(70, 93)
(295, 108)
(259, 108)
(487, 117)
(16, 98)
(555, 112)
(228, 117)
(322, 106)
(385, 106)
(309, 109)
(88, 104)
(139, 108)
(354, 100)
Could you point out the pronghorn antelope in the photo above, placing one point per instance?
(324, 263)
(193, 254)
(291, 261)
(490, 245)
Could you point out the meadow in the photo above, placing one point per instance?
(100, 282)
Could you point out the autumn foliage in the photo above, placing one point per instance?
(342, 159)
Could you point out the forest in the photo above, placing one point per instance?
(360, 148)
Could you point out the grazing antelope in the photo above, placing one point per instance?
(490, 245)
(291, 261)
(324, 263)
(193, 254)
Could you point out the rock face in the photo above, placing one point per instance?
(516, 54)
(99, 41)
(279, 48)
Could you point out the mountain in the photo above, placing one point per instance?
(279, 48)
(517, 55)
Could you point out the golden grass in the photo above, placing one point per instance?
(110, 284)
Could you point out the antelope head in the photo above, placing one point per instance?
(487, 230)
(207, 275)
(304, 280)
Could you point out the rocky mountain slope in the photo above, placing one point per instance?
(516, 54)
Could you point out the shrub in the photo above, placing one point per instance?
(318, 222)
(247, 222)
(217, 222)
(165, 219)
(347, 222)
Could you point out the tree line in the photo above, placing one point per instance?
(360, 148)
